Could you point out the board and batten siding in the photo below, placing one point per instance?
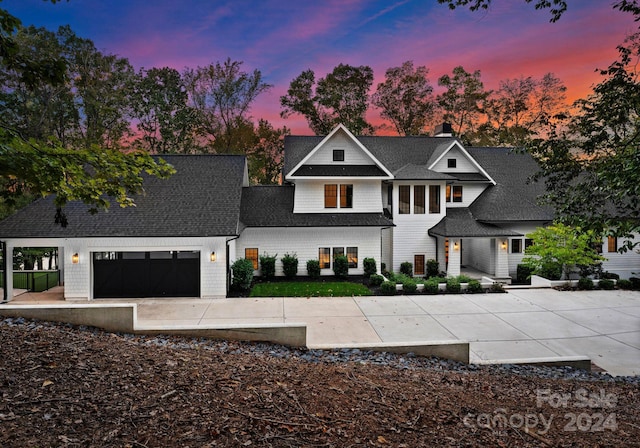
(309, 196)
(353, 155)
(306, 241)
(79, 277)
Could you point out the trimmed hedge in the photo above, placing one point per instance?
(388, 288)
(341, 266)
(369, 266)
(453, 285)
(606, 284)
(376, 280)
(313, 268)
(290, 265)
(268, 266)
(585, 283)
(474, 287)
(406, 268)
(242, 273)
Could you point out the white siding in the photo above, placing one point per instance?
(625, 264)
(353, 155)
(479, 253)
(305, 242)
(463, 164)
(309, 196)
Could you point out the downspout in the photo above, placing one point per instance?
(228, 267)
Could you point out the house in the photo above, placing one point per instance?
(394, 199)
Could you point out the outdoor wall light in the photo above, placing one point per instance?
(75, 258)
(504, 245)
(213, 257)
(456, 246)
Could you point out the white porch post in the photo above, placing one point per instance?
(455, 247)
(8, 263)
(441, 256)
(502, 257)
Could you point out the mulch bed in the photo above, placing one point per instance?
(75, 387)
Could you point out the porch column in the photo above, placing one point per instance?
(8, 271)
(455, 246)
(441, 255)
(502, 258)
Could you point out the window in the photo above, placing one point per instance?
(251, 253)
(337, 252)
(404, 202)
(516, 246)
(418, 264)
(448, 193)
(338, 155)
(390, 195)
(528, 242)
(457, 193)
(346, 196)
(612, 244)
(105, 255)
(418, 199)
(331, 196)
(324, 256)
(434, 198)
(451, 163)
(352, 256)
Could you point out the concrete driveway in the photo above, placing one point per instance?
(521, 324)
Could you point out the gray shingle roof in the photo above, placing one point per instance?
(340, 170)
(201, 199)
(514, 197)
(460, 223)
(272, 206)
(419, 172)
(470, 177)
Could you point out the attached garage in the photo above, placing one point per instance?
(146, 274)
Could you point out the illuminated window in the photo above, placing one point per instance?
(457, 193)
(418, 199)
(418, 264)
(612, 244)
(331, 196)
(346, 196)
(352, 256)
(251, 253)
(324, 256)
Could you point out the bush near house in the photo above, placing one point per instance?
(433, 268)
(369, 265)
(242, 270)
(474, 287)
(409, 286)
(523, 274)
(453, 285)
(388, 288)
(313, 268)
(376, 280)
(606, 284)
(341, 266)
(268, 266)
(585, 283)
(432, 286)
(290, 265)
(625, 284)
(635, 283)
(406, 268)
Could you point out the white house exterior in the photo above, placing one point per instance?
(393, 199)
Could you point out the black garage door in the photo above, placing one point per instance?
(146, 274)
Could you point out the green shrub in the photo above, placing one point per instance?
(551, 271)
(497, 287)
(268, 266)
(464, 278)
(341, 266)
(523, 274)
(625, 284)
(409, 286)
(242, 270)
(388, 288)
(376, 280)
(439, 279)
(383, 269)
(609, 275)
(431, 286)
(453, 285)
(474, 287)
(433, 268)
(290, 265)
(401, 278)
(635, 283)
(369, 265)
(406, 268)
(313, 268)
(585, 283)
(606, 284)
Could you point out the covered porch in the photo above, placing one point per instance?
(467, 246)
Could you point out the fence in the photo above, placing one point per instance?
(34, 281)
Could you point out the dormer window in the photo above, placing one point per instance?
(451, 163)
(338, 155)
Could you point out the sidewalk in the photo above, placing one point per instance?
(522, 324)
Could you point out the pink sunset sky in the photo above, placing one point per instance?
(283, 38)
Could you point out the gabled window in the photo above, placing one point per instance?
(251, 253)
(434, 198)
(338, 155)
(451, 163)
(418, 199)
(404, 199)
(331, 196)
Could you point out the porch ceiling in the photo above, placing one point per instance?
(460, 223)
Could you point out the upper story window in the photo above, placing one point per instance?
(404, 199)
(331, 196)
(451, 163)
(612, 244)
(434, 198)
(338, 155)
(418, 199)
(454, 192)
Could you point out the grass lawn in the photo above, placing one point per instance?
(309, 289)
